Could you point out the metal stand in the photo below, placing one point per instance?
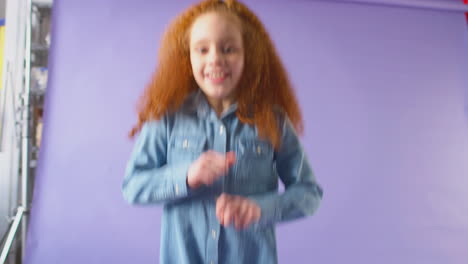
(22, 213)
(11, 234)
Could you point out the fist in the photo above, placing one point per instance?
(240, 211)
(209, 167)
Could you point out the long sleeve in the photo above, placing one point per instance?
(302, 193)
(148, 178)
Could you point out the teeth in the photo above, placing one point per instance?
(216, 75)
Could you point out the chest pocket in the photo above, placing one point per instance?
(255, 162)
(186, 147)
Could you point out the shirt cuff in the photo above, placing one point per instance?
(179, 174)
(269, 206)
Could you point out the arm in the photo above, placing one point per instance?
(148, 178)
(302, 193)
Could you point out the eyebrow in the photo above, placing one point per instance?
(223, 40)
(199, 42)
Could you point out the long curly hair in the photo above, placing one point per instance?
(263, 86)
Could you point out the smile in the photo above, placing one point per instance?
(216, 77)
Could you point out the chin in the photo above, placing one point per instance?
(218, 93)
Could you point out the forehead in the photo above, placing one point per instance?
(215, 26)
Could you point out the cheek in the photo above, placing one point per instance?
(239, 66)
(197, 68)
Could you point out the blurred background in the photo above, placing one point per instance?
(383, 86)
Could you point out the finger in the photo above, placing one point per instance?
(210, 171)
(230, 211)
(205, 156)
(220, 169)
(253, 215)
(212, 159)
(227, 214)
(210, 174)
(209, 153)
(220, 206)
(214, 156)
(257, 213)
(240, 218)
(217, 161)
(248, 217)
(230, 159)
(204, 174)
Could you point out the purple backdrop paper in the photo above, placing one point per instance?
(383, 92)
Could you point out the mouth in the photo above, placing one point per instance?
(216, 77)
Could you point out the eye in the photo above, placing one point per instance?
(202, 50)
(228, 49)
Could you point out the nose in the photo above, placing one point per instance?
(215, 57)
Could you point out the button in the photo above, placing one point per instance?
(221, 130)
(213, 233)
(185, 143)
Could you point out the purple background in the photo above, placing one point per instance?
(383, 92)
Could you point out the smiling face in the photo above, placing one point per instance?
(217, 55)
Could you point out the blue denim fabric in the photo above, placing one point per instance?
(190, 232)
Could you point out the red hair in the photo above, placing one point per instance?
(263, 85)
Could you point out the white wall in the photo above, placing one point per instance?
(9, 152)
(14, 13)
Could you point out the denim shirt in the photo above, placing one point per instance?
(190, 232)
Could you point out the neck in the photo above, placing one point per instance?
(220, 105)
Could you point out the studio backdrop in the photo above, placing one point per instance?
(383, 90)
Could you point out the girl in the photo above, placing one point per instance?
(216, 130)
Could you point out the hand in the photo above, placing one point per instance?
(238, 210)
(209, 167)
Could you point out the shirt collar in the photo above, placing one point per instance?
(204, 110)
